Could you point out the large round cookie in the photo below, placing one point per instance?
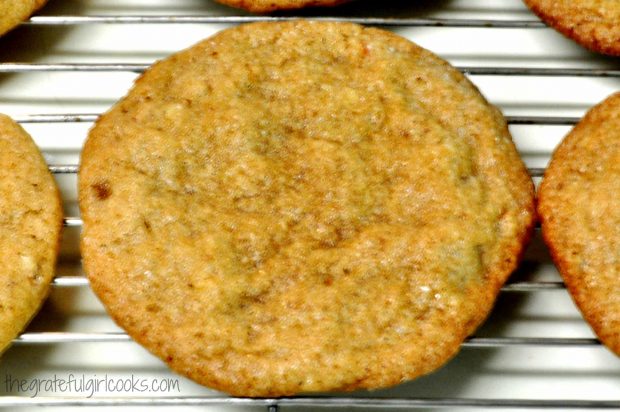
(13, 12)
(30, 224)
(579, 206)
(265, 6)
(302, 206)
(594, 24)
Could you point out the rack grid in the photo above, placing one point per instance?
(529, 281)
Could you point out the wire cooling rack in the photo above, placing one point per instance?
(64, 67)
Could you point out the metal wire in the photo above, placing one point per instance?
(310, 401)
(91, 117)
(118, 337)
(70, 337)
(64, 169)
(72, 222)
(470, 70)
(212, 19)
(80, 281)
(72, 169)
(322, 402)
(70, 281)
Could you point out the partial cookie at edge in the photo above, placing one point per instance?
(593, 24)
(13, 12)
(579, 207)
(30, 226)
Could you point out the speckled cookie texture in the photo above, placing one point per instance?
(594, 24)
(13, 12)
(30, 224)
(302, 206)
(266, 6)
(579, 206)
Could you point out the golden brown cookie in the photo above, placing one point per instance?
(266, 6)
(579, 206)
(13, 12)
(30, 224)
(302, 206)
(594, 24)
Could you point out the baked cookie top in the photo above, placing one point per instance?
(302, 206)
(13, 12)
(579, 206)
(265, 6)
(30, 224)
(594, 24)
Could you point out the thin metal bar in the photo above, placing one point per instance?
(533, 286)
(471, 70)
(474, 342)
(536, 171)
(542, 120)
(70, 337)
(212, 19)
(72, 222)
(72, 67)
(501, 342)
(538, 71)
(57, 118)
(70, 281)
(272, 408)
(63, 169)
(80, 281)
(68, 169)
(326, 402)
(91, 117)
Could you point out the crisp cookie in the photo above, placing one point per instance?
(30, 225)
(302, 206)
(266, 6)
(594, 24)
(579, 207)
(13, 12)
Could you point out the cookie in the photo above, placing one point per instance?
(13, 12)
(594, 24)
(302, 206)
(266, 6)
(579, 207)
(30, 224)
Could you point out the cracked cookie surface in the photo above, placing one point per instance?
(30, 224)
(302, 206)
